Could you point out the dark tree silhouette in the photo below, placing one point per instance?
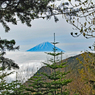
(79, 13)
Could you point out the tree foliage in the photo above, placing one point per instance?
(79, 13)
(57, 77)
(87, 73)
(36, 85)
(84, 83)
(25, 10)
(12, 87)
(6, 62)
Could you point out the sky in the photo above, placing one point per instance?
(42, 30)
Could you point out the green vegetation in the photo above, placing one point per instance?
(36, 85)
(81, 78)
(6, 64)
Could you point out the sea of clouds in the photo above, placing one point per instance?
(30, 62)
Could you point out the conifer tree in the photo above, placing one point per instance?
(57, 80)
(36, 85)
(10, 88)
(6, 64)
(17, 88)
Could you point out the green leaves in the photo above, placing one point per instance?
(81, 29)
(5, 25)
(10, 88)
(85, 24)
(7, 45)
(36, 85)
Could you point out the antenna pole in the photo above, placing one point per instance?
(54, 37)
(54, 48)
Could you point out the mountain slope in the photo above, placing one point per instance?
(74, 65)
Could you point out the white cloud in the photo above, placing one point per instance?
(29, 62)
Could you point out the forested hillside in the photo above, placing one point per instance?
(72, 64)
(81, 73)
